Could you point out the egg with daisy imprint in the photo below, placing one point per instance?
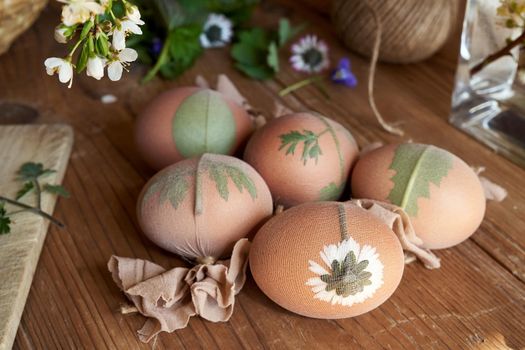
(302, 157)
(327, 260)
(440, 193)
(187, 122)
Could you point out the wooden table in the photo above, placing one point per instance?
(476, 300)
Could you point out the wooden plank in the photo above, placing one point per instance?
(20, 249)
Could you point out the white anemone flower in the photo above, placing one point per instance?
(122, 29)
(95, 67)
(359, 273)
(310, 55)
(120, 61)
(62, 66)
(79, 11)
(217, 31)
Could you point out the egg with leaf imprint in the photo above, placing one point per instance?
(327, 260)
(302, 157)
(187, 122)
(199, 207)
(441, 194)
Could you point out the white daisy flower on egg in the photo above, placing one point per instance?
(310, 55)
(217, 31)
(349, 274)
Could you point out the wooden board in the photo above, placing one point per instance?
(20, 249)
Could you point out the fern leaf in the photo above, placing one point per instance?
(242, 181)
(416, 167)
(172, 187)
(221, 181)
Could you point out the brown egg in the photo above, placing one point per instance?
(441, 193)
(302, 157)
(200, 207)
(188, 122)
(327, 260)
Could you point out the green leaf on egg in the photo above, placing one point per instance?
(417, 166)
(331, 192)
(310, 141)
(220, 173)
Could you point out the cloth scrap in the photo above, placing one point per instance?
(169, 298)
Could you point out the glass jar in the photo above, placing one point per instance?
(488, 101)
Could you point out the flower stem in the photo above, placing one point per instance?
(160, 61)
(33, 210)
(299, 85)
(38, 192)
(500, 53)
(74, 49)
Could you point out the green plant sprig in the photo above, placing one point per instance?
(31, 174)
(256, 51)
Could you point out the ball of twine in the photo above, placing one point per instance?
(412, 30)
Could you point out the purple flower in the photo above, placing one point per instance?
(156, 46)
(343, 75)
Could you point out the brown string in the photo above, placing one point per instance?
(372, 71)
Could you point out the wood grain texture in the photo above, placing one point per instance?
(20, 249)
(475, 301)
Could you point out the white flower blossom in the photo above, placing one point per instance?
(122, 29)
(62, 66)
(310, 55)
(364, 275)
(133, 14)
(217, 31)
(95, 67)
(60, 35)
(120, 61)
(79, 11)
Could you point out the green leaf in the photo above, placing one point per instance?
(311, 148)
(184, 49)
(56, 189)
(85, 29)
(32, 171)
(255, 55)
(28, 187)
(287, 32)
(172, 187)
(273, 57)
(176, 13)
(331, 192)
(221, 181)
(83, 58)
(417, 166)
(221, 172)
(5, 221)
(102, 45)
(246, 54)
(255, 72)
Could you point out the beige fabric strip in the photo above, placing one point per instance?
(170, 297)
(397, 219)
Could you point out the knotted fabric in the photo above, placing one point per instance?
(170, 297)
(399, 221)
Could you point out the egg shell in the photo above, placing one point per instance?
(293, 179)
(440, 192)
(288, 245)
(200, 207)
(187, 122)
